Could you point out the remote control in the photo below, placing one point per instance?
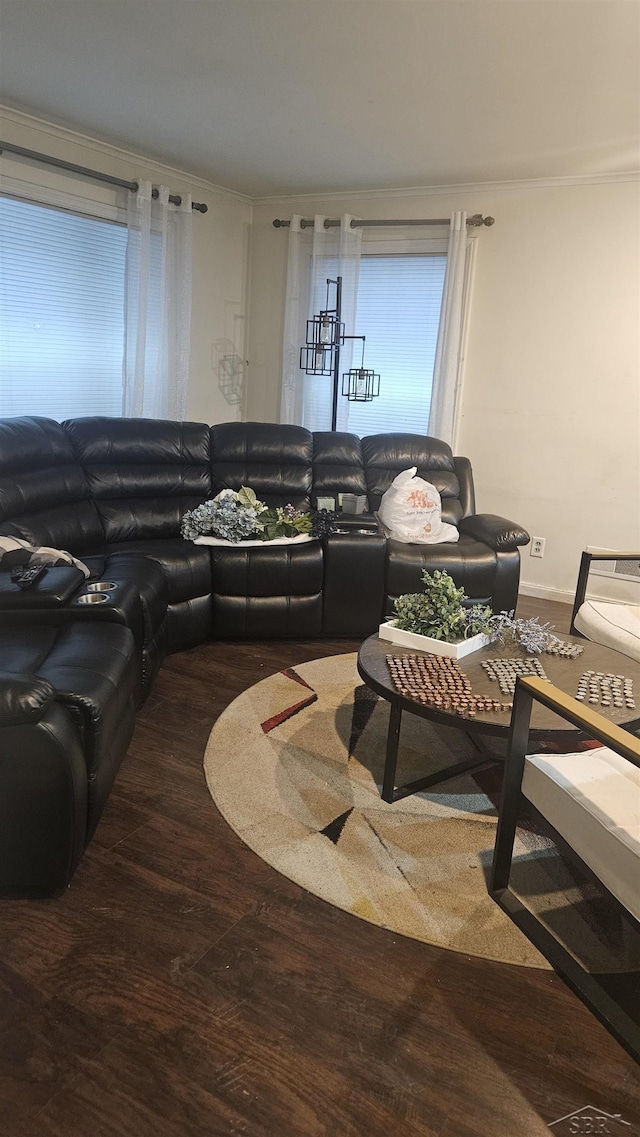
(31, 575)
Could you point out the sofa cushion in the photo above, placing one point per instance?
(143, 474)
(44, 495)
(267, 591)
(187, 567)
(612, 625)
(338, 465)
(271, 459)
(471, 564)
(267, 617)
(593, 799)
(265, 570)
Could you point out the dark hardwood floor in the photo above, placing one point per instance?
(182, 987)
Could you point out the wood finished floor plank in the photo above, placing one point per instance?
(120, 818)
(220, 869)
(228, 1084)
(44, 1043)
(132, 1091)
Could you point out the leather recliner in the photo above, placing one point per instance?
(68, 698)
(485, 560)
(271, 590)
(142, 475)
(45, 499)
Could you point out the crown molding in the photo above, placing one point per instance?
(66, 134)
(454, 188)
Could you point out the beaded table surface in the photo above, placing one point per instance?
(562, 672)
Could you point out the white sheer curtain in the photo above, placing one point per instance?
(158, 283)
(446, 370)
(314, 255)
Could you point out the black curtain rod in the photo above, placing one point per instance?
(331, 223)
(62, 165)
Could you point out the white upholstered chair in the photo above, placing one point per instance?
(590, 801)
(606, 622)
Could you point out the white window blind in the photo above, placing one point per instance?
(399, 300)
(61, 312)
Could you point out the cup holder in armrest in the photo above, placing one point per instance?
(350, 530)
(92, 598)
(101, 586)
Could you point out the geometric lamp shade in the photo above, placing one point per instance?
(360, 385)
(318, 359)
(325, 329)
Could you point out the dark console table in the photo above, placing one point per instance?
(545, 726)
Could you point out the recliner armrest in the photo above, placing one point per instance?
(496, 532)
(23, 698)
(356, 521)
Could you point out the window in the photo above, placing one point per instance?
(61, 311)
(398, 310)
(399, 300)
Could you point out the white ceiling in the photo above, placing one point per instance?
(292, 96)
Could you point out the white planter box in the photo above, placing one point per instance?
(388, 631)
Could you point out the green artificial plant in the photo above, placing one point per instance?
(439, 612)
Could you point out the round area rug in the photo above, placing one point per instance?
(294, 765)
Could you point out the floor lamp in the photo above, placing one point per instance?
(321, 355)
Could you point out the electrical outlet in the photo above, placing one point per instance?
(537, 546)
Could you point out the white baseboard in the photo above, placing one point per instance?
(564, 595)
(543, 593)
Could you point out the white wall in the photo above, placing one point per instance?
(221, 241)
(550, 414)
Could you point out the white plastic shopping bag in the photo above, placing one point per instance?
(411, 511)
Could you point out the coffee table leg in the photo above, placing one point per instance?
(391, 760)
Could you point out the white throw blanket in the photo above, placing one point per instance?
(13, 551)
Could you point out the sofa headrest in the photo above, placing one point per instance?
(44, 496)
(32, 443)
(128, 440)
(399, 451)
(338, 466)
(385, 455)
(274, 460)
(143, 474)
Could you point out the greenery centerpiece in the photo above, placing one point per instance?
(441, 619)
(439, 611)
(238, 515)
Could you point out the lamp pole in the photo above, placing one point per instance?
(325, 337)
(336, 357)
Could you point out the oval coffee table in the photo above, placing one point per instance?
(545, 726)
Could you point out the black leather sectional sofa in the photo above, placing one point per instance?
(113, 493)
